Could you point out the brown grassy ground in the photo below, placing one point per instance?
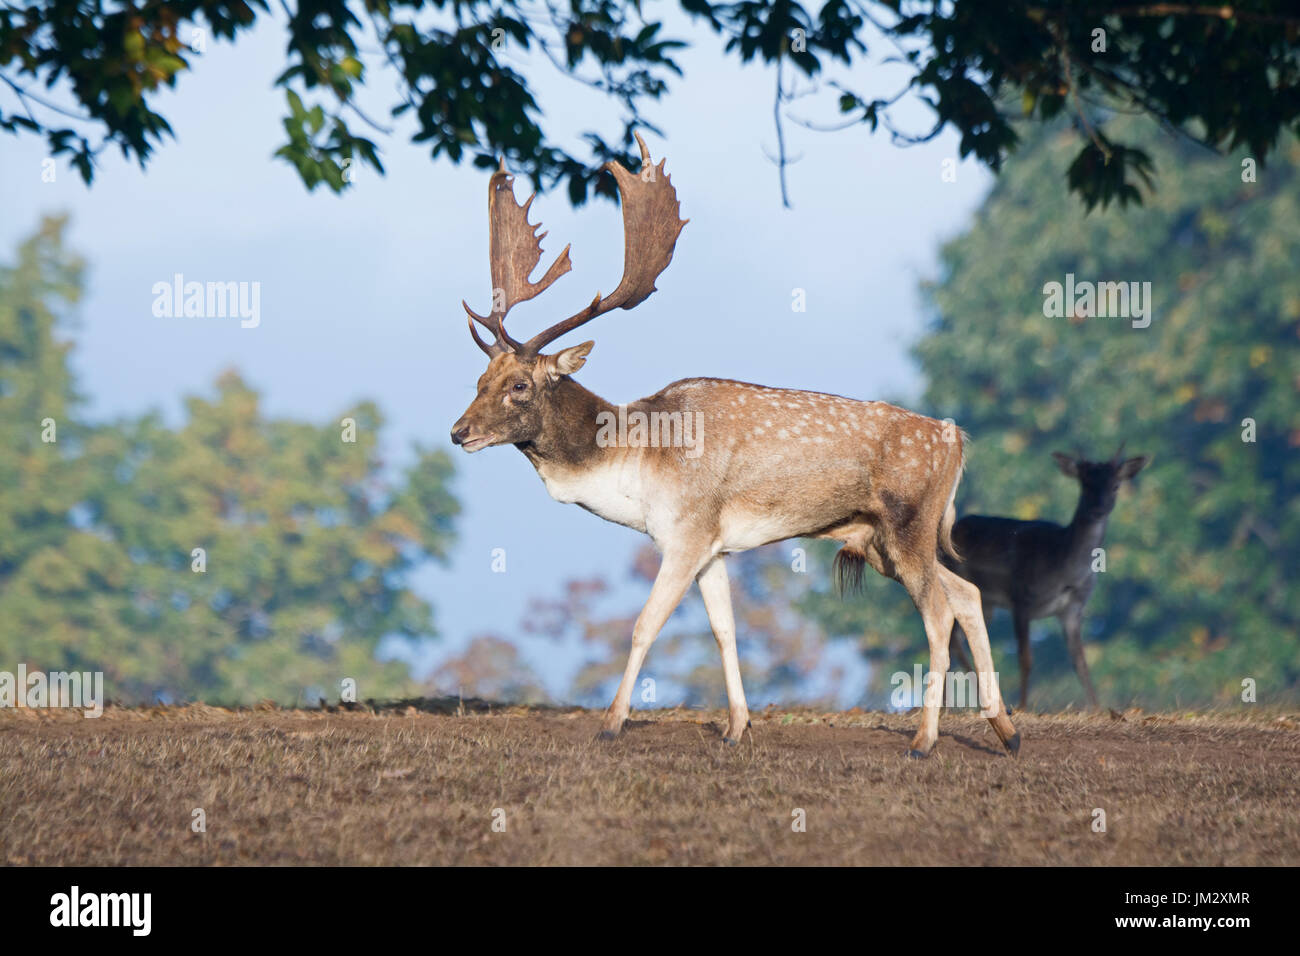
(410, 786)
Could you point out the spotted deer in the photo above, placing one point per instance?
(1040, 569)
(760, 464)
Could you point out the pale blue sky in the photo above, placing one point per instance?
(360, 293)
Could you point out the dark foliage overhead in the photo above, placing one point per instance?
(85, 75)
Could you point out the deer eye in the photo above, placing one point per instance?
(520, 386)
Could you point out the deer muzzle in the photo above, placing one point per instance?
(462, 435)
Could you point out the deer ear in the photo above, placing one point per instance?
(1133, 466)
(572, 359)
(1066, 464)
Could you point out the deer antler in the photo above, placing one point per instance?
(651, 225)
(650, 230)
(514, 249)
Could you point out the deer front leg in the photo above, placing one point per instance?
(1072, 624)
(716, 590)
(675, 575)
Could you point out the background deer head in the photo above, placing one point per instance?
(1099, 480)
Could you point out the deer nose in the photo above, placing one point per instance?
(459, 433)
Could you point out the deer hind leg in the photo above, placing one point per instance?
(957, 648)
(675, 575)
(716, 590)
(1072, 625)
(1025, 653)
(938, 618)
(964, 598)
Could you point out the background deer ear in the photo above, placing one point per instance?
(572, 359)
(1066, 464)
(1133, 466)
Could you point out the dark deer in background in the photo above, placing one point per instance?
(1039, 569)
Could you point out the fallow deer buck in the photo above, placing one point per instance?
(766, 464)
(1040, 569)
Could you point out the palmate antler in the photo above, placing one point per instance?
(651, 225)
(514, 249)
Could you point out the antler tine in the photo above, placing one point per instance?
(514, 249)
(1120, 452)
(651, 225)
(503, 342)
(496, 348)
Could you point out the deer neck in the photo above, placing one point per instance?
(578, 469)
(1088, 526)
(567, 440)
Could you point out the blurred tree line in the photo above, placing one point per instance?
(231, 558)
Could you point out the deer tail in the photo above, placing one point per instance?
(950, 510)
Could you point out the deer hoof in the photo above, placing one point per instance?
(917, 754)
(607, 735)
(1013, 744)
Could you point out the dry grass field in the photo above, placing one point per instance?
(409, 784)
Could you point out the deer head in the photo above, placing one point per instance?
(1099, 480)
(516, 395)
